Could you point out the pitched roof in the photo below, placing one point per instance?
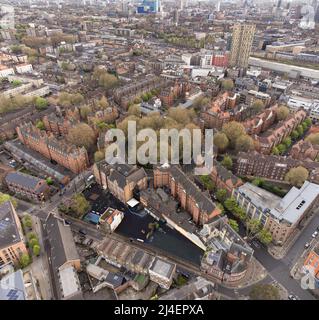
(9, 232)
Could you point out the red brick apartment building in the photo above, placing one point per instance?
(192, 199)
(224, 179)
(59, 124)
(283, 129)
(272, 167)
(262, 121)
(65, 154)
(217, 114)
(305, 150)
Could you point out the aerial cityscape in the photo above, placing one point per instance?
(159, 150)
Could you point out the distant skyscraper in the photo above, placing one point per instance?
(242, 39)
(218, 6)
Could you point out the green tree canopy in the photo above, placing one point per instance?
(313, 138)
(233, 224)
(221, 141)
(244, 143)
(264, 236)
(41, 103)
(228, 84)
(297, 176)
(79, 205)
(4, 197)
(25, 260)
(221, 195)
(36, 250)
(282, 113)
(233, 131)
(227, 162)
(40, 125)
(258, 105)
(82, 135)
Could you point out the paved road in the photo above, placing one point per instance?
(280, 269)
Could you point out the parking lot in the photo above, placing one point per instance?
(136, 225)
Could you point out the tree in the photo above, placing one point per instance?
(98, 156)
(252, 227)
(309, 122)
(79, 205)
(6, 197)
(244, 143)
(300, 130)
(258, 105)
(41, 103)
(227, 162)
(304, 125)
(221, 195)
(33, 242)
(134, 110)
(258, 182)
(313, 138)
(85, 111)
(69, 99)
(230, 204)
(36, 250)
(49, 181)
(294, 135)
(221, 141)
(240, 213)
(25, 260)
(282, 113)
(228, 84)
(233, 224)
(207, 182)
(103, 103)
(264, 236)
(281, 148)
(275, 151)
(297, 176)
(105, 79)
(287, 142)
(233, 131)
(27, 221)
(31, 235)
(40, 125)
(181, 115)
(264, 292)
(82, 135)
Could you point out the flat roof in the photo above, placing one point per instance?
(162, 267)
(132, 203)
(296, 202)
(259, 197)
(12, 287)
(69, 281)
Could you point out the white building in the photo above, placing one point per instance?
(24, 68)
(7, 17)
(162, 272)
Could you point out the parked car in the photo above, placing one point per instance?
(307, 245)
(83, 232)
(318, 228)
(315, 234)
(292, 297)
